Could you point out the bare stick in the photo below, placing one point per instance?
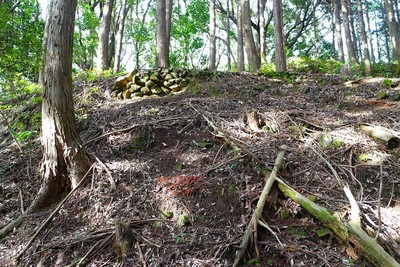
(379, 202)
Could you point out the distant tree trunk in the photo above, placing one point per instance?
(262, 31)
(120, 36)
(371, 46)
(104, 35)
(228, 30)
(168, 21)
(212, 51)
(378, 49)
(367, 61)
(249, 44)
(346, 24)
(338, 30)
(393, 30)
(280, 56)
(64, 161)
(162, 48)
(354, 37)
(240, 50)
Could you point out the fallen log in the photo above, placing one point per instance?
(381, 134)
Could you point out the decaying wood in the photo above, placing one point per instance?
(349, 232)
(253, 120)
(255, 217)
(388, 137)
(123, 238)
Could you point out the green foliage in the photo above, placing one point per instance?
(268, 68)
(314, 65)
(21, 32)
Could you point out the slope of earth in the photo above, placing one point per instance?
(186, 171)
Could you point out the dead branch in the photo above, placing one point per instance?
(255, 217)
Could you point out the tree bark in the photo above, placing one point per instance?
(228, 37)
(262, 31)
(249, 44)
(367, 61)
(240, 50)
(64, 161)
(393, 30)
(371, 46)
(104, 32)
(346, 24)
(162, 48)
(280, 56)
(212, 52)
(338, 30)
(120, 36)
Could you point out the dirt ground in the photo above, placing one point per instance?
(188, 170)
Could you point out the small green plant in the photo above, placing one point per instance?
(268, 69)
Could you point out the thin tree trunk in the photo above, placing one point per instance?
(249, 44)
(367, 61)
(240, 50)
(161, 35)
(338, 30)
(371, 46)
(212, 51)
(349, 44)
(262, 31)
(280, 56)
(228, 37)
(64, 161)
(393, 30)
(120, 36)
(104, 35)
(354, 37)
(168, 21)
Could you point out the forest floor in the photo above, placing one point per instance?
(169, 164)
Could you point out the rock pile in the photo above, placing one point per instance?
(161, 82)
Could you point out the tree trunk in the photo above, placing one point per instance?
(212, 52)
(346, 24)
(64, 161)
(240, 51)
(354, 36)
(162, 47)
(393, 30)
(338, 30)
(371, 46)
(168, 21)
(367, 61)
(249, 44)
(262, 31)
(120, 36)
(104, 32)
(280, 56)
(228, 37)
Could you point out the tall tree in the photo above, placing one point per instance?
(249, 44)
(346, 25)
(371, 46)
(162, 47)
(261, 6)
(213, 50)
(367, 61)
(64, 161)
(338, 30)
(228, 31)
(393, 29)
(104, 33)
(120, 35)
(240, 51)
(280, 56)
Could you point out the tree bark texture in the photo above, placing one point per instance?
(212, 51)
(393, 30)
(240, 50)
(120, 36)
(249, 44)
(338, 30)
(168, 21)
(64, 161)
(367, 61)
(262, 30)
(371, 46)
(346, 25)
(104, 32)
(228, 37)
(162, 47)
(280, 56)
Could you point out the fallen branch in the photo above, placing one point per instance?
(52, 214)
(255, 217)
